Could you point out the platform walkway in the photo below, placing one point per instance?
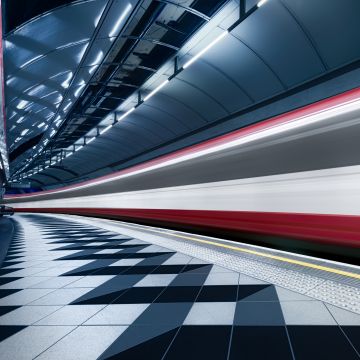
(82, 288)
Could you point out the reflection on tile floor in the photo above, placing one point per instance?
(72, 291)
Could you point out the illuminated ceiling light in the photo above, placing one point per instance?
(79, 148)
(53, 132)
(65, 84)
(67, 106)
(116, 27)
(91, 140)
(82, 52)
(261, 3)
(92, 69)
(68, 154)
(203, 51)
(10, 81)
(123, 116)
(24, 132)
(105, 129)
(21, 105)
(31, 60)
(158, 88)
(36, 90)
(98, 58)
(78, 91)
(20, 120)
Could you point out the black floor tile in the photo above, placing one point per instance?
(8, 271)
(168, 269)
(152, 349)
(200, 342)
(139, 295)
(353, 333)
(198, 268)
(257, 293)
(214, 293)
(7, 292)
(259, 343)
(6, 280)
(101, 299)
(320, 343)
(7, 331)
(137, 270)
(6, 309)
(179, 294)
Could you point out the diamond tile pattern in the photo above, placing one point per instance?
(74, 291)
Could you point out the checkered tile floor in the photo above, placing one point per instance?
(74, 291)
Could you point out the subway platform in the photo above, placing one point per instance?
(85, 288)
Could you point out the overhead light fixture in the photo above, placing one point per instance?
(123, 116)
(65, 84)
(79, 148)
(92, 69)
(91, 140)
(36, 90)
(31, 60)
(78, 91)
(20, 120)
(24, 132)
(261, 3)
(206, 48)
(158, 88)
(10, 81)
(98, 58)
(105, 129)
(67, 106)
(22, 104)
(118, 24)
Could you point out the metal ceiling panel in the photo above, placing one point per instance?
(281, 43)
(56, 29)
(242, 65)
(195, 98)
(332, 26)
(207, 76)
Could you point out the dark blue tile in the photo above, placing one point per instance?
(320, 343)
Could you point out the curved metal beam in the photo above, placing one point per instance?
(66, 170)
(50, 176)
(153, 41)
(187, 8)
(38, 181)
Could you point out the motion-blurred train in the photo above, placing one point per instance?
(292, 181)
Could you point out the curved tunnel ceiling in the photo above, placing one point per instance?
(280, 46)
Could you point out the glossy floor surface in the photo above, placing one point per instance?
(76, 290)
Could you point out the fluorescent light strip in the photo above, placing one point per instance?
(123, 116)
(261, 3)
(158, 88)
(116, 27)
(105, 129)
(78, 91)
(79, 148)
(203, 51)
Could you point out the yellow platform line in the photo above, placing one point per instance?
(262, 254)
